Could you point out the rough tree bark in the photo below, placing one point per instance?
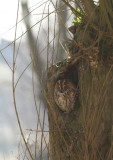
(85, 133)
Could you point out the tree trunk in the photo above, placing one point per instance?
(85, 133)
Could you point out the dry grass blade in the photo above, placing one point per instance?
(13, 85)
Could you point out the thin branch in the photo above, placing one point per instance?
(6, 61)
(22, 74)
(13, 86)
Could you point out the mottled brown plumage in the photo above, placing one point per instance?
(65, 95)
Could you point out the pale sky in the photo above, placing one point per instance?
(9, 130)
(8, 12)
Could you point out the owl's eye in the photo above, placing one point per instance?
(65, 95)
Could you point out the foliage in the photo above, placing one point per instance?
(98, 26)
(78, 19)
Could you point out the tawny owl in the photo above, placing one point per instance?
(65, 94)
